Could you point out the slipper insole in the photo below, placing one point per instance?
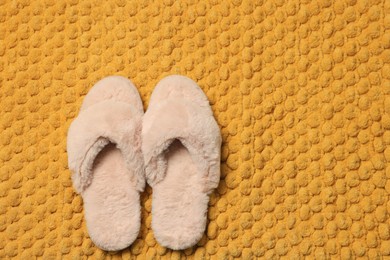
(111, 202)
(179, 205)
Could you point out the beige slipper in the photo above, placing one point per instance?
(181, 144)
(104, 153)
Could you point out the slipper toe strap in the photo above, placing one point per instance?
(94, 128)
(194, 126)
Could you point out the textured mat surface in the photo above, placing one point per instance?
(301, 90)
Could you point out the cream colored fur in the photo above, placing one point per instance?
(104, 154)
(181, 144)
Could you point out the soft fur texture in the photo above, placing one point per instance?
(181, 144)
(104, 153)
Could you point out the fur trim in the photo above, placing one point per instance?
(93, 129)
(191, 124)
(181, 146)
(83, 178)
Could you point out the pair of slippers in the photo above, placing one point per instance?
(113, 148)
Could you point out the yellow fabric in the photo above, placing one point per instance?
(300, 89)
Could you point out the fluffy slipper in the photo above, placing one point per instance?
(181, 144)
(104, 153)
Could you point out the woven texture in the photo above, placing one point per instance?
(300, 89)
